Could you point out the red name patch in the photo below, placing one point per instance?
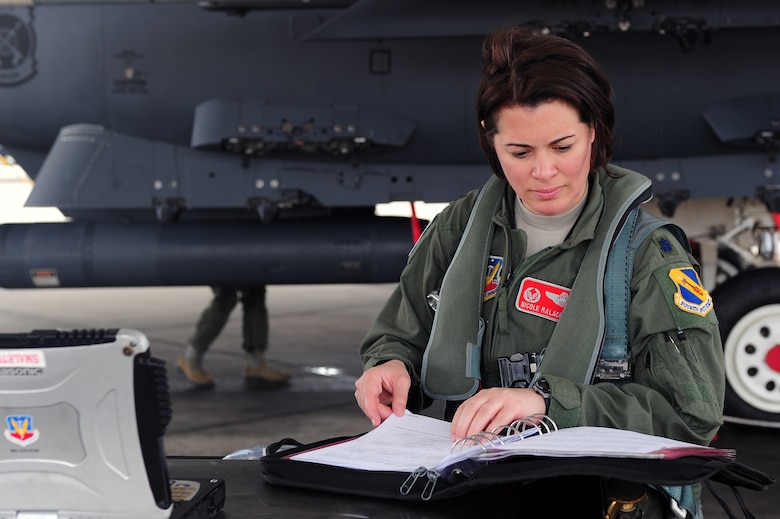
(543, 299)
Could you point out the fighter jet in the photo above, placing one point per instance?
(249, 141)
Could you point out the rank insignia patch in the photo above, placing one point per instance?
(665, 245)
(493, 276)
(690, 297)
(541, 298)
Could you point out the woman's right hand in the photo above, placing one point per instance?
(383, 390)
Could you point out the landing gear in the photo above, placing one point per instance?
(748, 308)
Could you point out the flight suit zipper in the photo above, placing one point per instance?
(500, 314)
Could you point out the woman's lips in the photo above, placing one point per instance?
(547, 194)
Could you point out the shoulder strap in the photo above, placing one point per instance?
(451, 362)
(587, 299)
(614, 358)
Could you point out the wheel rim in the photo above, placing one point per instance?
(752, 355)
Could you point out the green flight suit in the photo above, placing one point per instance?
(678, 374)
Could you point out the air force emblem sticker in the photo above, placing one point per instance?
(493, 276)
(20, 430)
(691, 296)
(541, 298)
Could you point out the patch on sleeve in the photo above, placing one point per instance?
(691, 296)
(664, 245)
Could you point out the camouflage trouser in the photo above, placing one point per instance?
(215, 316)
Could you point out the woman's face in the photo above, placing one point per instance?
(545, 153)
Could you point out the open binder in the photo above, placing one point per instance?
(413, 458)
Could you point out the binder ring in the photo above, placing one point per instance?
(509, 430)
(525, 423)
(546, 421)
(479, 439)
(535, 421)
(542, 423)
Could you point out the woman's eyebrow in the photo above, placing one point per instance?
(556, 141)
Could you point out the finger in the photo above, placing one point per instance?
(482, 419)
(500, 421)
(464, 416)
(401, 395)
(374, 411)
(368, 402)
(384, 412)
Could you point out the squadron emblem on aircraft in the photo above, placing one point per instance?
(17, 48)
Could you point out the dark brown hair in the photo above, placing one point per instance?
(529, 68)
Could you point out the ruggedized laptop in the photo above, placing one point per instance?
(83, 414)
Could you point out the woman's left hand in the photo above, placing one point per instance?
(493, 407)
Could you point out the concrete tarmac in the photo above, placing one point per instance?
(315, 333)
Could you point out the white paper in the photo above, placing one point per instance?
(398, 444)
(602, 442)
(403, 444)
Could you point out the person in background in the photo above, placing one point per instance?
(493, 275)
(258, 374)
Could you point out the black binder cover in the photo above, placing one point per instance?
(470, 474)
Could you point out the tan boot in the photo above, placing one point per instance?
(263, 376)
(195, 373)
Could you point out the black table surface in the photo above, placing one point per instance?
(248, 495)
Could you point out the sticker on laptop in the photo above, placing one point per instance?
(22, 362)
(184, 489)
(20, 430)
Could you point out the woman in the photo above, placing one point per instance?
(546, 124)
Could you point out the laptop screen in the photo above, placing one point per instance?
(83, 416)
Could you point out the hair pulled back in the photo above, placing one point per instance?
(524, 67)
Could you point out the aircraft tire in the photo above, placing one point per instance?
(748, 308)
(730, 264)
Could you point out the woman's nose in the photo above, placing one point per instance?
(544, 167)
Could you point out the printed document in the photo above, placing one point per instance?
(405, 443)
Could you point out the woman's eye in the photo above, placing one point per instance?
(563, 148)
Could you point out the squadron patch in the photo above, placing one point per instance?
(691, 296)
(541, 298)
(493, 276)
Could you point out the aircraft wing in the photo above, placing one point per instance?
(163, 112)
(248, 141)
(216, 4)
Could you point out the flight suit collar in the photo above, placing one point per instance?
(584, 228)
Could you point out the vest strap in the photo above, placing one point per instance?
(573, 352)
(451, 362)
(614, 361)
